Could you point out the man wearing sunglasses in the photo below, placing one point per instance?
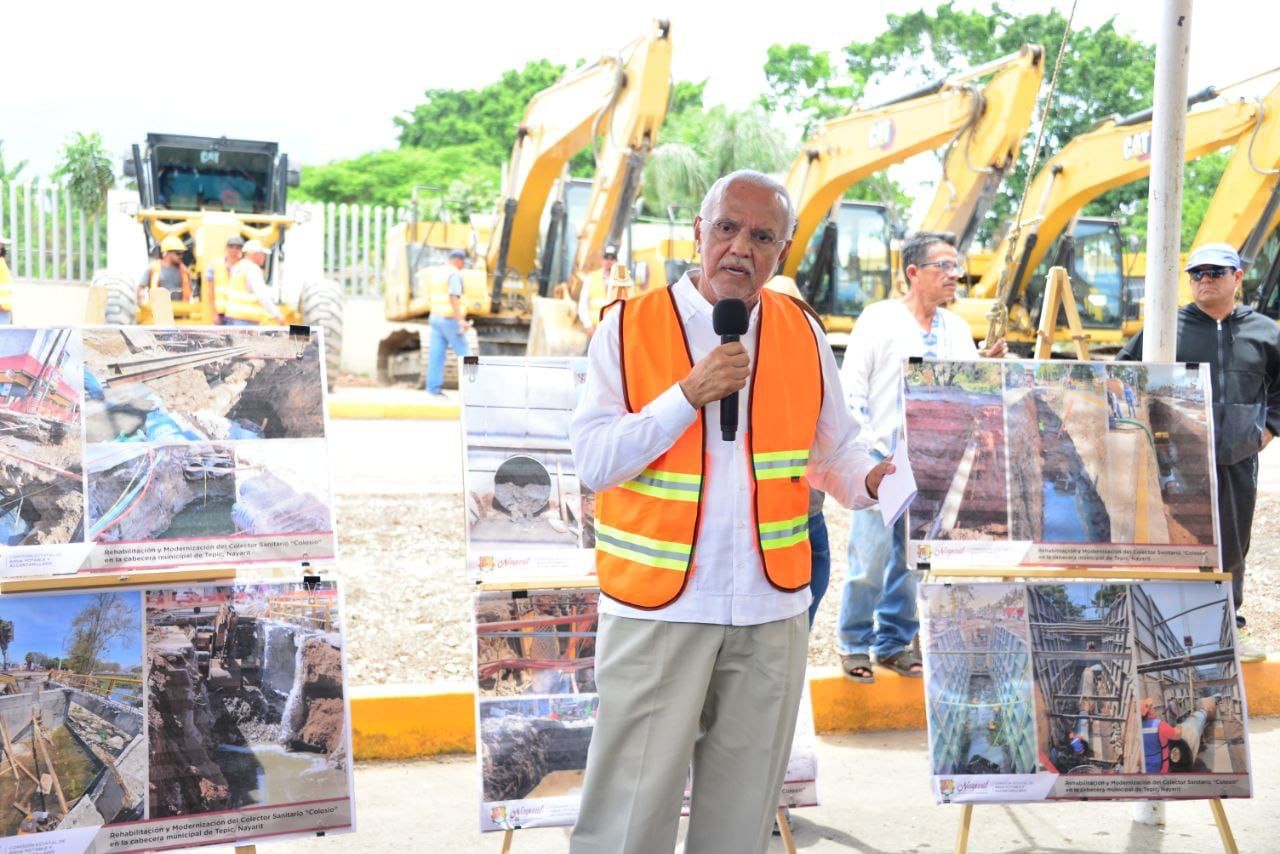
(1242, 349)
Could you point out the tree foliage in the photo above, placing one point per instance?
(1104, 73)
(8, 173)
(6, 638)
(806, 84)
(388, 177)
(88, 172)
(105, 619)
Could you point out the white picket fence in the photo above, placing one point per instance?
(51, 239)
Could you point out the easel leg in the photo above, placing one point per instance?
(784, 828)
(506, 841)
(246, 849)
(962, 837)
(1224, 829)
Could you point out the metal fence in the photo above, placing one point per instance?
(49, 237)
(52, 239)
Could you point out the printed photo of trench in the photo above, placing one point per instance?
(1189, 678)
(71, 714)
(245, 697)
(536, 642)
(956, 436)
(1087, 698)
(978, 685)
(41, 401)
(535, 748)
(523, 492)
(162, 385)
(142, 493)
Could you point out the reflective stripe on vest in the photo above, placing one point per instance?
(1152, 749)
(646, 527)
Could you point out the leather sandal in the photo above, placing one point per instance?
(902, 661)
(858, 667)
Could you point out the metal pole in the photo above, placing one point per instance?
(1164, 203)
(1164, 211)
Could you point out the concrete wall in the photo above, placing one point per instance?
(129, 720)
(15, 709)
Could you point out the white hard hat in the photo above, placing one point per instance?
(252, 246)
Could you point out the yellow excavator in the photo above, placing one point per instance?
(1114, 153)
(615, 106)
(840, 257)
(200, 191)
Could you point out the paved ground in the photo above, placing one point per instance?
(874, 788)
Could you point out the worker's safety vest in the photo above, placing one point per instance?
(6, 287)
(438, 284)
(239, 300)
(221, 281)
(1155, 752)
(186, 279)
(646, 528)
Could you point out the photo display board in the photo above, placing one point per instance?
(1081, 690)
(177, 715)
(1060, 463)
(128, 448)
(530, 523)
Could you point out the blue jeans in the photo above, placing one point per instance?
(235, 321)
(445, 332)
(878, 605)
(820, 563)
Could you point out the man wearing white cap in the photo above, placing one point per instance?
(249, 301)
(1242, 349)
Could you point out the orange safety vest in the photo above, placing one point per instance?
(186, 279)
(646, 528)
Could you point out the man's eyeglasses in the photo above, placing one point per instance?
(948, 267)
(1199, 275)
(725, 230)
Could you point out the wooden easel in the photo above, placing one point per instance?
(1057, 291)
(788, 841)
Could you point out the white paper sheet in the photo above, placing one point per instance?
(897, 490)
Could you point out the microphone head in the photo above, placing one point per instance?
(729, 317)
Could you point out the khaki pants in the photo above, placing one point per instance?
(725, 696)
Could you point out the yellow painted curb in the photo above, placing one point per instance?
(375, 410)
(408, 721)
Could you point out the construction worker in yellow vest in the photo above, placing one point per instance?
(6, 284)
(248, 299)
(168, 271)
(218, 276)
(595, 290)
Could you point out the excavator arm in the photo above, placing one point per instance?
(622, 97)
(849, 149)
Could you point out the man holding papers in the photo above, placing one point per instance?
(878, 619)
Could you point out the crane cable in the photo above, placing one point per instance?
(998, 316)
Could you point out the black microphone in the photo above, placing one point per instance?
(729, 320)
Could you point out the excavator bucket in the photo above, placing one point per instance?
(554, 329)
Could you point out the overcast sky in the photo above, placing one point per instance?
(325, 80)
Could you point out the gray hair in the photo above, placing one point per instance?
(916, 248)
(758, 179)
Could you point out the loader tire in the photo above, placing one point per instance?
(122, 300)
(321, 306)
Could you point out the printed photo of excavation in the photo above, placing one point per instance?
(956, 435)
(534, 749)
(140, 493)
(41, 483)
(245, 697)
(539, 642)
(200, 385)
(527, 512)
(1191, 700)
(978, 684)
(1086, 697)
(71, 718)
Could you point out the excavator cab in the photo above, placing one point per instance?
(848, 264)
(1262, 278)
(1093, 256)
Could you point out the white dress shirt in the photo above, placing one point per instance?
(886, 334)
(610, 445)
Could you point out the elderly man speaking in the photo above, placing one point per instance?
(702, 546)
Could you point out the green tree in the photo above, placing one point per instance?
(1104, 72)
(388, 177)
(6, 173)
(486, 117)
(105, 619)
(6, 638)
(805, 84)
(699, 146)
(86, 166)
